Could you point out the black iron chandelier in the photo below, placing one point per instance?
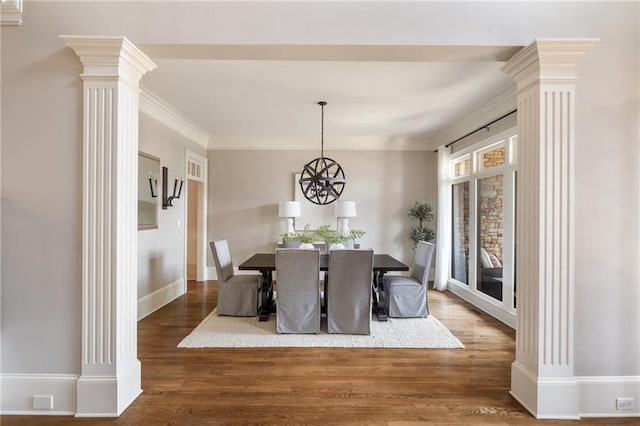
(322, 179)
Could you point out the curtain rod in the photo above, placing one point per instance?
(486, 126)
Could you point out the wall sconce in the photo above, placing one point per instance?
(177, 190)
(345, 210)
(153, 184)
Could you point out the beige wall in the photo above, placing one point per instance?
(161, 252)
(41, 204)
(245, 188)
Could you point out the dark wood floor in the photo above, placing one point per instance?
(320, 386)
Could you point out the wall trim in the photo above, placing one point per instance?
(156, 108)
(479, 302)
(159, 298)
(501, 104)
(212, 274)
(18, 391)
(598, 395)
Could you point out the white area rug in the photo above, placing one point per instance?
(247, 332)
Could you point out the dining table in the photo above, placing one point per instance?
(265, 263)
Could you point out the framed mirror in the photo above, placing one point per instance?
(148, 196)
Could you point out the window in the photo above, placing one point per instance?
(482, 225)
(460, 232)
(462, 167)
(494, 157)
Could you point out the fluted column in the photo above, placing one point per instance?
(110, 371)
(542, 376)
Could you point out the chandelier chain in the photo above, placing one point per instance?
(322, 104)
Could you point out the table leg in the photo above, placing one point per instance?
(379, 308)
(268, 306)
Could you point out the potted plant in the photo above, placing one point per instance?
(300, 239)
(290, 240)
(336, 240)
(422, 212)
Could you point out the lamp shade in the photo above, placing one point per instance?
(289, 209)
(346, 209)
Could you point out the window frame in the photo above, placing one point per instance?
(503, 310)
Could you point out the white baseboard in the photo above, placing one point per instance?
(486, 306)
(156, 300)
(574, 398)
(18, 391)
(212, 274)
(598, 395)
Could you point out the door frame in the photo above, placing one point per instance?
(196, 169)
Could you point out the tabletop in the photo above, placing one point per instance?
(267, 262)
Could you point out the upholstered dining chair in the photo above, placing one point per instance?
(298, 291)
(238, 295)
(407, 296)
(349, 291)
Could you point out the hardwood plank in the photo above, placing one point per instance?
(320, 385)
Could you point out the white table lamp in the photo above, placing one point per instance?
(345, 210)
(289, 210)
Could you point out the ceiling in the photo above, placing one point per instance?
(379, 98)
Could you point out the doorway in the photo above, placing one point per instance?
(196, 217)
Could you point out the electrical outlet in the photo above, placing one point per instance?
(624, 403)
(42, 402)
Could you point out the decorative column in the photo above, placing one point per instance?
(542, 378)
(110, 374)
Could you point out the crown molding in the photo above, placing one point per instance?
(293, 145)
(156, 108)
(503, 103)
(11, 12)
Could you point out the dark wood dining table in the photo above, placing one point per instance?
(265, 263)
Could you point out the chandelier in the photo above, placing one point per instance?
(322, 179)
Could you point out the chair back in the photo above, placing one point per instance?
(349, 291)
(298, 291)
(422, 256)
(222, 258)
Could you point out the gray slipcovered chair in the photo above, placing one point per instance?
(238, 295)
(349, 291)
(298, 300)
(406, 297)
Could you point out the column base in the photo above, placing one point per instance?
(545, 398)
(108, 396)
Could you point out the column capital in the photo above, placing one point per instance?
(550, 60)
(11, 12)
(109, 57)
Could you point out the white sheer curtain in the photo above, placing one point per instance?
(443, 238)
